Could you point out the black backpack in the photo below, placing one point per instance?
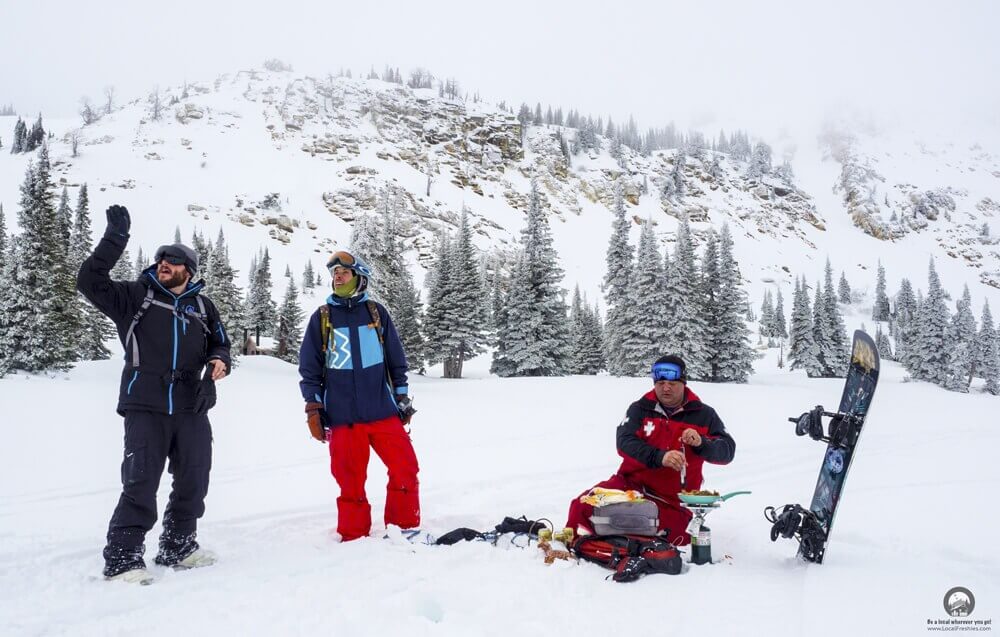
(629, 556)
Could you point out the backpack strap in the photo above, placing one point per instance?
(325, 327)
(376, 324)
(130, 335)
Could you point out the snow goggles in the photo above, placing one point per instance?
(177, 254)
(667, 371)
(347, 260)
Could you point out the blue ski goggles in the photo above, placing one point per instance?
(344, 259)
(667, 371)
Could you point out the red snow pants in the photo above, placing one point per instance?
(349, 453)
(673, 518)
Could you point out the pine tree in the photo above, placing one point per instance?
(821, 333)
(308, 277)
(880, 310)
(141, 264)
(962, 342)
(262, 312)
(989, 352)
(930, 354)
(709, 300)
(837, 357)
(780, 327)
(617, 277)
(843, 289)
(544, 349)
(462, 333)
(902, 325)
(687, 325)
(732, 352)
(3, 238)
(220, 282)
(647, 323)
(803, 352)
(177, 234)
(766, 316)
(15, 310)
(96, 329)
(288, 335)
(883, 345)
(50, 331)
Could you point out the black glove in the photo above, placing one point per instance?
(405, 406)
(118, 220)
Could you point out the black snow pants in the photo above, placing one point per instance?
(185, 439)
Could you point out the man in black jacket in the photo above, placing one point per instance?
(664, 441)
(170, 334)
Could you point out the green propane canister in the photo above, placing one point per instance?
(701, 546)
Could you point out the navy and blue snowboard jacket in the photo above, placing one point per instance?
(174, 346)
(356, 388)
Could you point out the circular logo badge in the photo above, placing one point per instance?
(959, 602)
(835, 461)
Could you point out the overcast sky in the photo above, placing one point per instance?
(749, 63)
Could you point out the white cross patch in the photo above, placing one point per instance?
(650, 426)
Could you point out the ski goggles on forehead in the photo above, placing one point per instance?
(341, 259)
(667, 371)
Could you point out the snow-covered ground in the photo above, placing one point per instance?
(917, 518)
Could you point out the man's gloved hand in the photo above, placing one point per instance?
(405, 405)
(314, 418)
(118, 220)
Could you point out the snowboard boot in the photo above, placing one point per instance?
(138, 576)
(200, 557)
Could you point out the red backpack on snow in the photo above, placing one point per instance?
(629, 556)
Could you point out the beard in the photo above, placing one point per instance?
(179, 278)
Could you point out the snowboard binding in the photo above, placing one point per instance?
(840, 431)
(801, 524)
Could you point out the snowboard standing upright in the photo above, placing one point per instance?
(812, 527)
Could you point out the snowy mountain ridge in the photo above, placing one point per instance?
(290, 161)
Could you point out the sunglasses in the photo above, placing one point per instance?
(667, 371)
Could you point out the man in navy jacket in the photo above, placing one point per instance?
(170, 334)
(353, 371)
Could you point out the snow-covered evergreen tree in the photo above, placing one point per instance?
(95, 328)
(962, 342)
(140, 264)
(780, 327)
(3, 238)
(540, 345)
(903, 317)
(308, 277)
(880, 310)
(802, 351)
(52, 330)
(687, 326)
(732, 353)
(930, 354)
(123, 268)
(15, 311)
(883, 345)
(989, 352)
(262, 312)
(461, 331)
(221, 286)
(837, 357)
(766, 324)
(760, 162)
(288, 335)
(647, 318)
(843, 289)
(617, 276)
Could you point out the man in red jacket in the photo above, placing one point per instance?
(665, 438)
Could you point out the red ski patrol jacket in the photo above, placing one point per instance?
(647, 434)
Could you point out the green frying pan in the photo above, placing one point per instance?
(707, 499)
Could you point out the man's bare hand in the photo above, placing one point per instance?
(218, 369)
(691, 437)
(674, 460)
